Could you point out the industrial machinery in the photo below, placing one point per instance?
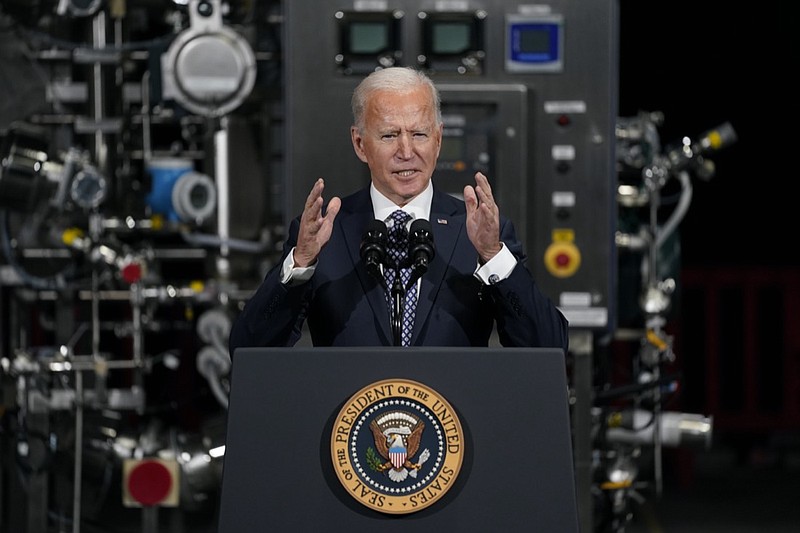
(151, 155)
(121, 253)
(631, 419)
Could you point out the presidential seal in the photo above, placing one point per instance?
(397, 446)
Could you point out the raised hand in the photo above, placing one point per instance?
(315, 229)
(483, 218)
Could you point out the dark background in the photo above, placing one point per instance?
(703, 63)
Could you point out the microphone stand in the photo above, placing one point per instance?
(398, 307)
(420, 254)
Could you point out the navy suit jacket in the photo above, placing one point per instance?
(346, 306)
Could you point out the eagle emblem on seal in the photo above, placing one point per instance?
(397, 436)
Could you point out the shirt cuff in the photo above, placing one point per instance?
(497, 268)
(292, 275)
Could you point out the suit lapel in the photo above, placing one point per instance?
(446, 225)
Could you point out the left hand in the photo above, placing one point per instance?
(483, 218)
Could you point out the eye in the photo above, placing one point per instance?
(420, 136)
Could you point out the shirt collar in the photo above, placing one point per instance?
(419, 207)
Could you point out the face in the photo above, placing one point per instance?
(400, 143)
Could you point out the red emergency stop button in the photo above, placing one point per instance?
(149, 482)
(131, 272)
(562, 259)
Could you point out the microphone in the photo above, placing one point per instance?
(373, 247)
(420, 248)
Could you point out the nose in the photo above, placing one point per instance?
(405, 148)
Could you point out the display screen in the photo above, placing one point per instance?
(368, 37)
(535, 44)
(451, 37)
(534, 40)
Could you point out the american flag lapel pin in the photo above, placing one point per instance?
(441, 220)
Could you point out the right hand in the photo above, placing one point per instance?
(315, 229)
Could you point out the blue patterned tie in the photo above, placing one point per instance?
(398, 251)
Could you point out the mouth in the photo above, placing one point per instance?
(405, 173)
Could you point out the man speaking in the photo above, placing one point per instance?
(400, 263)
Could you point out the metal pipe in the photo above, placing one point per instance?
(222, 179)
(76, 481)
(97, 88)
